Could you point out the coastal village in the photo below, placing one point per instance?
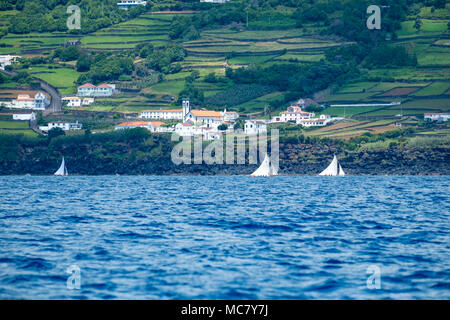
(187, 121)
(146, 70)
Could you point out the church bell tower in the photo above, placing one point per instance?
(186, 108)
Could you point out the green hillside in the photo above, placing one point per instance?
(254, 58)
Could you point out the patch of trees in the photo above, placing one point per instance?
(51, 15)
(300, 80)
(390, 56)
(105, 67)
(163, 59)
(188, 28)
(238, 94)
(67, 53)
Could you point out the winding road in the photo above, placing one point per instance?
(55, 104)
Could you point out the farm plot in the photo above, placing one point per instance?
(434, 57)
(34, 42)
(61, 78)
(435, 89)
(429, 27)
(259, 103)
(409, 74)
(126, 35)
(247, 43)
(398, 92)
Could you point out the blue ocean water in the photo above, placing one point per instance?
(239, 237)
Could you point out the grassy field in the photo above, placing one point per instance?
(13, 124)
(62, 78)
(429, 28)
(434, 89)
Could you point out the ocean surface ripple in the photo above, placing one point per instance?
(215, 237)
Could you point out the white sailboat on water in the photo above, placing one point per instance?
(334, 169)
(266, 169)
(62, 171)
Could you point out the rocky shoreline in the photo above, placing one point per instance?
(295, 159)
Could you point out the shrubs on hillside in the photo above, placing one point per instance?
(238, 94)
(389, 56)
(48, 16)
(105, 67)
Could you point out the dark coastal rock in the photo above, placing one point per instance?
(153, 158)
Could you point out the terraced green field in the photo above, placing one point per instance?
(61, 78)
(34, 42)
(13, 124)
(435, 89)
(430, 27)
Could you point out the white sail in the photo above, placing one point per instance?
(341, 171)
(332, 169)
(62, 171)
(264, 169)
(274, 169)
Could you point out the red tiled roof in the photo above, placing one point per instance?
(156, 123)
(87, 85)
(206, 113)
(104, 85)
(133, 124)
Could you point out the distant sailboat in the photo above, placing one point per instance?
(266, 169)
(334, 169)
(62, 171)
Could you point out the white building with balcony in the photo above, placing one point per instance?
(66, 126)
(437, 116)
(102, 90)
(253, 127)
(126, 4)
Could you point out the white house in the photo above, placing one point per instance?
(253, 127)
(323, 120)
(153, 126)
(230, 116)
(23, 101)
(24, 116)
(158, 126)
(132, 124)
(317, 122)
(215, 1)
(437, 116)
(175, 114)
(187, 129)
(72, 101)
(90, 90)
(7, 60)
(40, 101)
(126, 4)
(66, 126)
(206, 117)
(87, 101)
(295, 113)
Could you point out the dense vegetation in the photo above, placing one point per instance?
(48, 16)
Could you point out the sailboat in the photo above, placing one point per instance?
(334, 169)
(62, 171)
(266, 169)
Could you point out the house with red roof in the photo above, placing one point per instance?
(437, 116)
(102, 90)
